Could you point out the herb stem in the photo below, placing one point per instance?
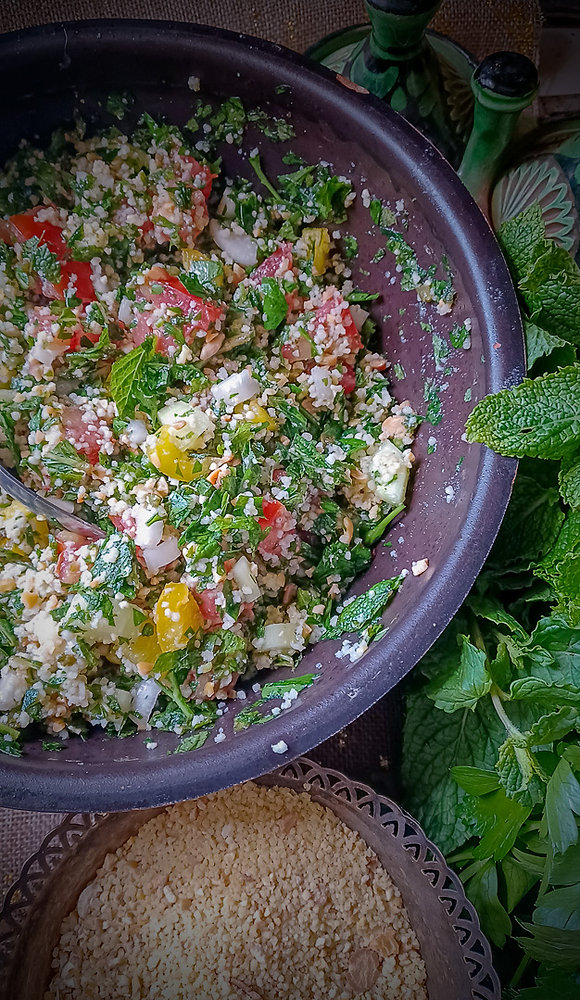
(255, 161)
(546, 874)
(509, 726)
(176, 696)
(520, 971)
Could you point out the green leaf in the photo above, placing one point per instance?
(481, 889)
(43, 262)
(338, 559)
(64, 462)
(497, 820)
(475, 780)
(201, 277)
(530, 528)
(193, 742)
(551, 291)
(516, 766)
(553, 726)
(126, 375)
(274, 305)
(536, 689)
(116, 565)
(518, 881)
(364, 610)
(539, 343)
(562, 805)
(551, 944)
(551, 983)
(560, 908)
(464, 686)
(522, 239)
(277, 689)
(569, 480)
(540, 417)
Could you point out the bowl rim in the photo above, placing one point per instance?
(302, 775)
(34, 785)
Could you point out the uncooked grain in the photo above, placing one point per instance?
(252, 892)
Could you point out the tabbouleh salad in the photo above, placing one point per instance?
(185, 359)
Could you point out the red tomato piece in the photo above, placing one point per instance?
(201, 314)
(212, 615)
(281, 523)
(75, 274)
(348, 380)
(27, 225)
(333, 306)
(67, 545)
(87, 438)
(269, 267)
(203, 171)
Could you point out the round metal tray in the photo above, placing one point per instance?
(456, 954)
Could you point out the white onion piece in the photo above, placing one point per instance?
(136, 431)
(237, 388)
(146, 535)
(235, 243)
(226, 208)
(278, 636)
(125, 313)
(242, 574)
(161, 555)
(145, 697)
(359, 315)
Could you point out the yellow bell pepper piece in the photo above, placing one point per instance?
(256, 414)
(175, 614)
(144, 651)
(169, 458)
(318, 241)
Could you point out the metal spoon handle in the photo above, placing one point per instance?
(46, 508)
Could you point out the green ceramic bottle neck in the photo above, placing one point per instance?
(397, 34)
(499, 101)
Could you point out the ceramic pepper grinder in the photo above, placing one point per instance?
(503, 85)
(395, 62)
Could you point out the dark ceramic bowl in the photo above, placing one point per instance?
(459, 492)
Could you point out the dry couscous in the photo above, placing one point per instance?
(239, 895)
(185, 360)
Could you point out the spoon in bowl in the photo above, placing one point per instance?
(49, 509)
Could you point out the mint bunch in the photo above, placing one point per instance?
(491, 755)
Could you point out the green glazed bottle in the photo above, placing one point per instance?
(394, 61)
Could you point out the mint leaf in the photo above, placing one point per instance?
(523, 238)
(551, 291)
(364, 609)
(562, 806)
(277, 689)
(125, 378)
(338, 560)
(539, 343)
(45, 263)
(530, 528)
(274, 305)
(569, 480)
(116, 566)
(465, 685)
(561, 568)
(201, 277)
(193, 742)
(482, 889)
(540, 417)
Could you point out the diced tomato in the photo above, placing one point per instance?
(348, 380)
(269, 267)
(67, 545)
(87, 438)
(27, 225)
(281, 525)
(203, 171)
(125, 522)
(201, 314)
(23, 227)
(270, 511)
(76, 274)
(337, 305)
(206, 601)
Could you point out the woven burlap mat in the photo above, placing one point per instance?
(368, 750)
